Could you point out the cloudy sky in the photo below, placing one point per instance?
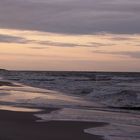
(78, 35)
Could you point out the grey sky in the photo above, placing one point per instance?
(72, 16)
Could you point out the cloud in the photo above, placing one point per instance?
(17, 39)
(58, 44)
(35, 47)
(106, 40)
(22, 40)
(22, 55)
(122, 38)
(12, 39)
(97, 44)
(134, 54)
(72, 16)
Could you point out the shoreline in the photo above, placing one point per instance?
(22, 125)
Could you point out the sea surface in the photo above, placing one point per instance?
(109, 97)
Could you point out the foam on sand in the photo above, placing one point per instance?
(121, 125)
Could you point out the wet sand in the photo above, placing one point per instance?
(23, 126)
(6, 83)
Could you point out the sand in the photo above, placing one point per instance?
(23, 126)
(16, 125)
(6, 83)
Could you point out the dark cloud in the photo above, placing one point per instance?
(124, 38)
(72, 16)
(16, 39)
(46, 43)
(22, 40)
(12, 39)
(133, 54)
(58, 44)
(34, 47)
(95, 44)
(121, 38)
(22, 55)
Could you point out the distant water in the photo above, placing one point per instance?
(108, 88)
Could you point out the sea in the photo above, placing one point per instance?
(110, 97)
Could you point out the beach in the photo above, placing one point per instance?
(22, 125)
(17, 124)
(37, 106)
(69, 69)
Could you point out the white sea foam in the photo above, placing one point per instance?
(117, 132)
(122, 126)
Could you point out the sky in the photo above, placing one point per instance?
(70, 35)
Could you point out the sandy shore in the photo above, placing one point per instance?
(23, 126)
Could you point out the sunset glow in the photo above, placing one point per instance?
(36, 49)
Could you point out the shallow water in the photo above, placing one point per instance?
(18, 109)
